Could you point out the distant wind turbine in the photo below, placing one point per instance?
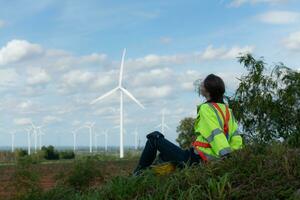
(36, 131)
(106, 137)
(13, 141)
(163, 125)
(28, 130)
(90, 126)
(122, 90)
(136, 135)
(40, 134)
(74, 140)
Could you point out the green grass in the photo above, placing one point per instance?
(256, 172)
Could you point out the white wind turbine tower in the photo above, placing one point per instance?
(136, 135)
(90, 126)
(74, 133)
(122, 90)
(40, 134)
(13, 141)
(28, 130)
(163, 125)
(96, 141)
(36, 130)
(74, 140)
(106, 137)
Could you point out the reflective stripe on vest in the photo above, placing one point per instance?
(215, 132)
(225, 118)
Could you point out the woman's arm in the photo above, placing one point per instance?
(236, 140)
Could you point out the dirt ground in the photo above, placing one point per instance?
(49, 171)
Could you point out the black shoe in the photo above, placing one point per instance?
(138, 171)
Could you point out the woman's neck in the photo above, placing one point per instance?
(208, 100)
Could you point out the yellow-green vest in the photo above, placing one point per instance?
(209, 129)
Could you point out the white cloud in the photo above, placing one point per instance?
(8, 77)
(279, 17)
(153, 60)
(38, 76)
(155, 76)
(102, 81)
(17, 50)
(105, 111)
(155, 91)
(211, 53)
(22, 121)
(187, 79)
(165, 40)
(25, 105)
(49, 119)
(2, 23)
(238, 3)
(93, 58)
(292, 42)
(76, 77)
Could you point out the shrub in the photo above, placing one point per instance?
(50, 153)
(20, 153)
(66, 155)
(83, 174)
(6, 156)
(25, 180)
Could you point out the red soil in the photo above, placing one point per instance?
(48, 173)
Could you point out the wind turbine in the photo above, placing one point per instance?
(106, 137)
(74, 140)
(36, 130)
(122, 90)
(136, 135)
(96, 140)
(13, 141)
(90, 126)
(28, 130)
(40, 134)
(163, 125)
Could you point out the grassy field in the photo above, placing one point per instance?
(256, 172)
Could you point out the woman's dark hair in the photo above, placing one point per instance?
(216, 88)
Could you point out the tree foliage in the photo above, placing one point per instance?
(185, 132)
(50, 153)
(267, 102)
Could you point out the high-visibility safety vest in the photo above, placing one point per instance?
(217, 131)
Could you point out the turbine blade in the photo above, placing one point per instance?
(132, 97)
(121, 68)
(158, 126)
(32, 125)
(167, 126)
(105, 95)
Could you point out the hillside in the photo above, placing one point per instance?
(256, 172)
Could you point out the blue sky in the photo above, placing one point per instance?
(57, 56)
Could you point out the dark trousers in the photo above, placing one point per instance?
(168, 152)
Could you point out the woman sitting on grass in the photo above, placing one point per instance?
(216, 132)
